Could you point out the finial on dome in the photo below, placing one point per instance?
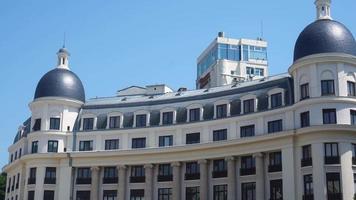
(63, 56)
(323, 9)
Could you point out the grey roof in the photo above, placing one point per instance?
(60, 83)
(324, 36)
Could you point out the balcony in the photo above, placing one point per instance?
(329, 160)
(164, 178)
(83, 181)
(247, 171)
(50, 181)
(308, 197)
(335, 196)
(31, 181)
(306, 162)
(220, 174)
(110, 180)
(194, 176)
(137, 179)
(274, 168)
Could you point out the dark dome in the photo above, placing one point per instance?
(324, 36)
(60, 83)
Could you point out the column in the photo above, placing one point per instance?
(346, 170)
(94, 194)
(319, 183)
(288, 173)
(260, 175)
(122, 182)
(176, 181)
(64, 181)
(22, 182)
(231, 178)
(149, 182)
(40, 174)
(204, 188)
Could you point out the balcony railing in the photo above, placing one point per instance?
(50, 181)
(220, 174)
(82, 181)
(306, 162)
(335, 196)
(274, 168)
(247, 171)
(308, 197)
(137, 179)
(164, 178)
(193, 176)
(31, 181)
(329, 160)
(110, 180)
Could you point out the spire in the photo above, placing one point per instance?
(63, 56)
(323, 9)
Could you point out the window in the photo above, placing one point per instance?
(164, 173)
(52, 146)
(219, 168)
(110, 195)
(332, 153)
(248, 166)
(165, 141)
(327, 87)
(351, 90)
(219, 135)
(50, 175)
(137, 194)
(249, 106)
(88, 124)
(83, 195)
(306, 156)
(192, 193)
(248, 191)
(192, 138)
(137, 174)
(304, 119)
(353, 117)
(275, 162)
(31, 195)
(354, 155)
(276, 100)
(34, 147)
(54, 123)
(37, 125)
(304, 91)
(32, 176)
(110, 175)
(86, 145)
(355, 184)
(48, 195)
(192, 171)
(221, 111)
(83, 175)
(220, 192)
(11, 158)
(138, 143)
(333, 186)
(141, 120)
(20, 152)
(112, 144)
(276, 189)
(194, 114)
(167, 118)
(15, 155)
(17, 181)
(164, 193)
(13, 183)
(247, 131)
(329, 116)
(275, 126)
(114, 122)
(308, 187)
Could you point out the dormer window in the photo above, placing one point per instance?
(221, 111)
(248, 106)
(141, 120)
(194, 114)
(276, 100)
(167, 118)
(114, 122)
(54, 123)
(88, 124)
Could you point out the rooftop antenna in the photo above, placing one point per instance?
(262, 30)
(64, 40)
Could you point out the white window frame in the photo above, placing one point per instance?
(195, 106)
(168, 109)
(248, 97)
(222, 102)
(275, 91)
(142, 112)
(115, 114)
(88, 115)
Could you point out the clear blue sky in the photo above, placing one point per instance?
(115, 43)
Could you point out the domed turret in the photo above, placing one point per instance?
(61, 82)
(324, 35)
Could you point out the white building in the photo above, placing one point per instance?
(289, 136)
